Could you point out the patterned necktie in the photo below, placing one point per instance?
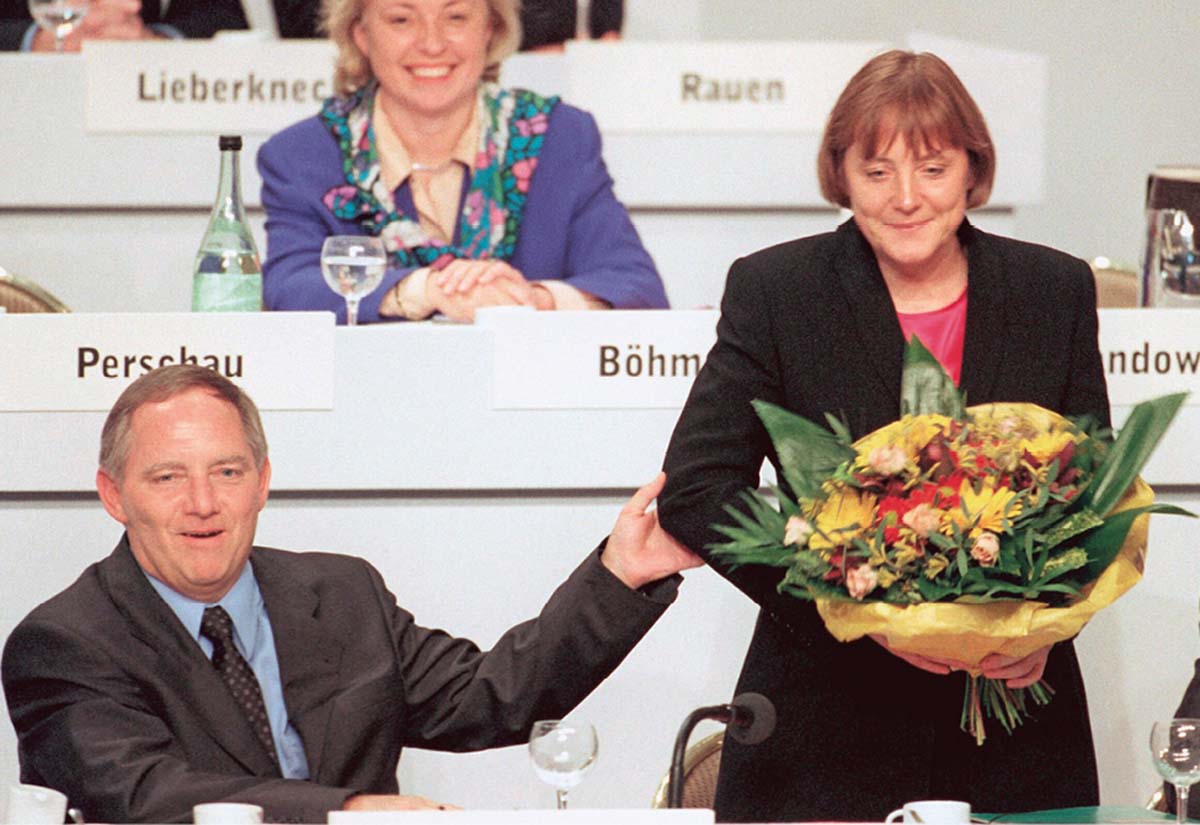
(217, 627)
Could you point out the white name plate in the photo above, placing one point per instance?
(236, 86)
(712, 87)
(632, 359)
(529, 816)
(81, 362)
(1150, 352)
(647, 360)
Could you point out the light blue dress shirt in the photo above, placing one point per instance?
(254, 640)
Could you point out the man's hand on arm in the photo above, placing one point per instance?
(639, 551)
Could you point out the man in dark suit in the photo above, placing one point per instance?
(317, 678)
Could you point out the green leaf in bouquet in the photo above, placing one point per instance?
(810, 565)
(1068, 528)
(1059, 564)
(1104, 542)
(808, 453)
(838, 427)
(756, 538)
(924, 385)
(962, 561)
(1137, 439)
(935, 590)
(796, 582)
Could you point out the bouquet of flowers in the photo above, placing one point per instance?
(956, 532)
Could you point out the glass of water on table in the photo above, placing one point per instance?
(353, 266)
(562, 752)
(1175, 746)
(59, 17)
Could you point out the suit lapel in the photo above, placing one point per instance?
(180, 663)
(983, 344)
(872, 311)
(309, 653)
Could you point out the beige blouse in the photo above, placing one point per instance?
(437, 194)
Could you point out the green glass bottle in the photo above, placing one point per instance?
(227, 276)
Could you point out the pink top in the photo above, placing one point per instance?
(941, 331)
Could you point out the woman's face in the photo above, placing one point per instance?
(428, 55)
(908, 202)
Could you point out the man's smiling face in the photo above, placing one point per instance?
(189, 494)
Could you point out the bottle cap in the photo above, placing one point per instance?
(233, 142)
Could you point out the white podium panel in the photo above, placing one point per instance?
(473, 514)
(520, 402)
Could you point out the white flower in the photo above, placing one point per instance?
(922, 519)
(797, 531)
(861, 580)
(986, 549)
(888, 460)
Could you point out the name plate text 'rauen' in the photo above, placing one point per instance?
(82, 362)
(712, 87)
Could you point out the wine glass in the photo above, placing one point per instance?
(1175, 746)
(59, 17)
(562, 751)
(353, 266)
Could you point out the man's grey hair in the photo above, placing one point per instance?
(164, 384)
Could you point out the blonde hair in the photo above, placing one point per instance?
(352, 69)
(913, 95)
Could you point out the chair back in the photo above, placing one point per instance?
(19, 295)
(701, 764)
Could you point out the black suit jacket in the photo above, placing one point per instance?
(809, 325)
(117, 707)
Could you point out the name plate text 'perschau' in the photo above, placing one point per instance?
(82, 362)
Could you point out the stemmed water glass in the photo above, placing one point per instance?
(353, 266)
(562, 751)
(59, 17)
(1175, 746)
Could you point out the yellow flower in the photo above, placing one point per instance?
(910, 434)
(905, 556)
(1045, 446)
(936, 564)
(985, 510)
(845, 515)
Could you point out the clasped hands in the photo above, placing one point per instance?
(464, 286)
(1015, 671)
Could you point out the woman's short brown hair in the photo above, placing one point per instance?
(913, 95)
(352, 70)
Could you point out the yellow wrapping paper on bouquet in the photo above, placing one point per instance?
(969, 632)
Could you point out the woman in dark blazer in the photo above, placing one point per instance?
(818, 325)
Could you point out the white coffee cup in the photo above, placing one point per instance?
(35, 805)
(227, 813)
(932, 812)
